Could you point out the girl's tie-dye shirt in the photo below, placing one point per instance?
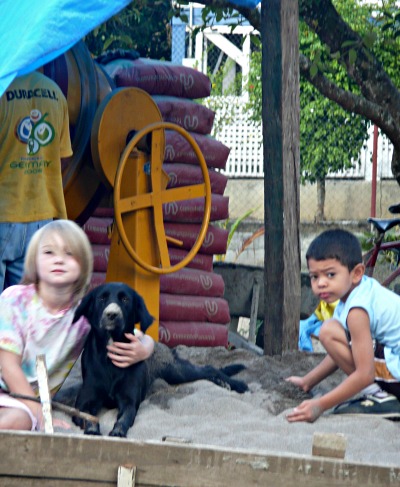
(28, 329)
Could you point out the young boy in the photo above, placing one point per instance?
(362, 338)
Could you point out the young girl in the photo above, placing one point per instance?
(36, 318)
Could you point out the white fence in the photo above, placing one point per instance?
(234, 128)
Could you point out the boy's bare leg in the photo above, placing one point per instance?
(333, 337)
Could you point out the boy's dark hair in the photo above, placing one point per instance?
(336, 244)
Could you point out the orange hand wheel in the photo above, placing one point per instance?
(158, 196)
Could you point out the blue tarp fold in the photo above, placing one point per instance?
(33, 32)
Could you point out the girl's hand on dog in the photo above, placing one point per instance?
(139, 348)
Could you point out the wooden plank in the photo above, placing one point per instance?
(82, 459)
(281, 114)
(254, 310)
(6, 481)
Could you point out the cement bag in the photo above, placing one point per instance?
(159, 77)
(175, 307)
(215, 242)
(193, 282)
(103, 212)
(97, 279)
(187, 174)
(98, 230)
(186, 113)
(192, 211)
(199, 261)
(192, 334)
(178, 149)
(101, 254)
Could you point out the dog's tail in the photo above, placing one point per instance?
(180, 371)
(232, 369)
(223, 377)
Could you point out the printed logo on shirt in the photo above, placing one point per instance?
(35, 131)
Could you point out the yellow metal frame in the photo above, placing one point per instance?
(139, 245)
(159, 195)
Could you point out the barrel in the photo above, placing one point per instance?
(84, 84)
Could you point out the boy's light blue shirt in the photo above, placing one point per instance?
(383, 308)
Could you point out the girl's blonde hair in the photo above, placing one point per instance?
(78, 243)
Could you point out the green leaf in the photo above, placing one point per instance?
(369, 39)
(313, 70)
(108, 43)
(352, 56)
(348, 43)
(255, 39)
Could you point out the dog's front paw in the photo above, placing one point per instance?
(78, 421)
(118, 431)
(92, 429)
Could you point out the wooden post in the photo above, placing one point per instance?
(280, 74)
(44, 393)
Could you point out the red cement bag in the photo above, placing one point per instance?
(199, 261)
(187, 174)
(193, 334)
(100, 257)
(103, 212)
(215, 242)
(186, 113)
(159, 77)
(178, 149)
(192, 211)
(97, 279)
(97, 230)
(192, 282)
(194, 308)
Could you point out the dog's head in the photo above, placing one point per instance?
(114, 308)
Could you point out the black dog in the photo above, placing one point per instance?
(112, 310)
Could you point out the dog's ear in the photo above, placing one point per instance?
(144, 317)
(84, 308)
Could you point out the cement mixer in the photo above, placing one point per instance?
(118, 141)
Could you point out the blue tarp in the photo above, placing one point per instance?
(33, 32)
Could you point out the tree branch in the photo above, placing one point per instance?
(379, 100)
(349, 101)
(251, 14)
(366, 70)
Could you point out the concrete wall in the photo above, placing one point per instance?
(348, 200)
(253, 254)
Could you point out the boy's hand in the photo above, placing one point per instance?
(299, 382)
(309, 411)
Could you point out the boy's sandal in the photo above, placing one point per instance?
(386, 407)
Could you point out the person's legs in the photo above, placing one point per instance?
(383, 377)
(6, 250)
(15, 419)
(335, 341)
(381, 398)
(16, 239)
(14, 414)
(16, 255)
